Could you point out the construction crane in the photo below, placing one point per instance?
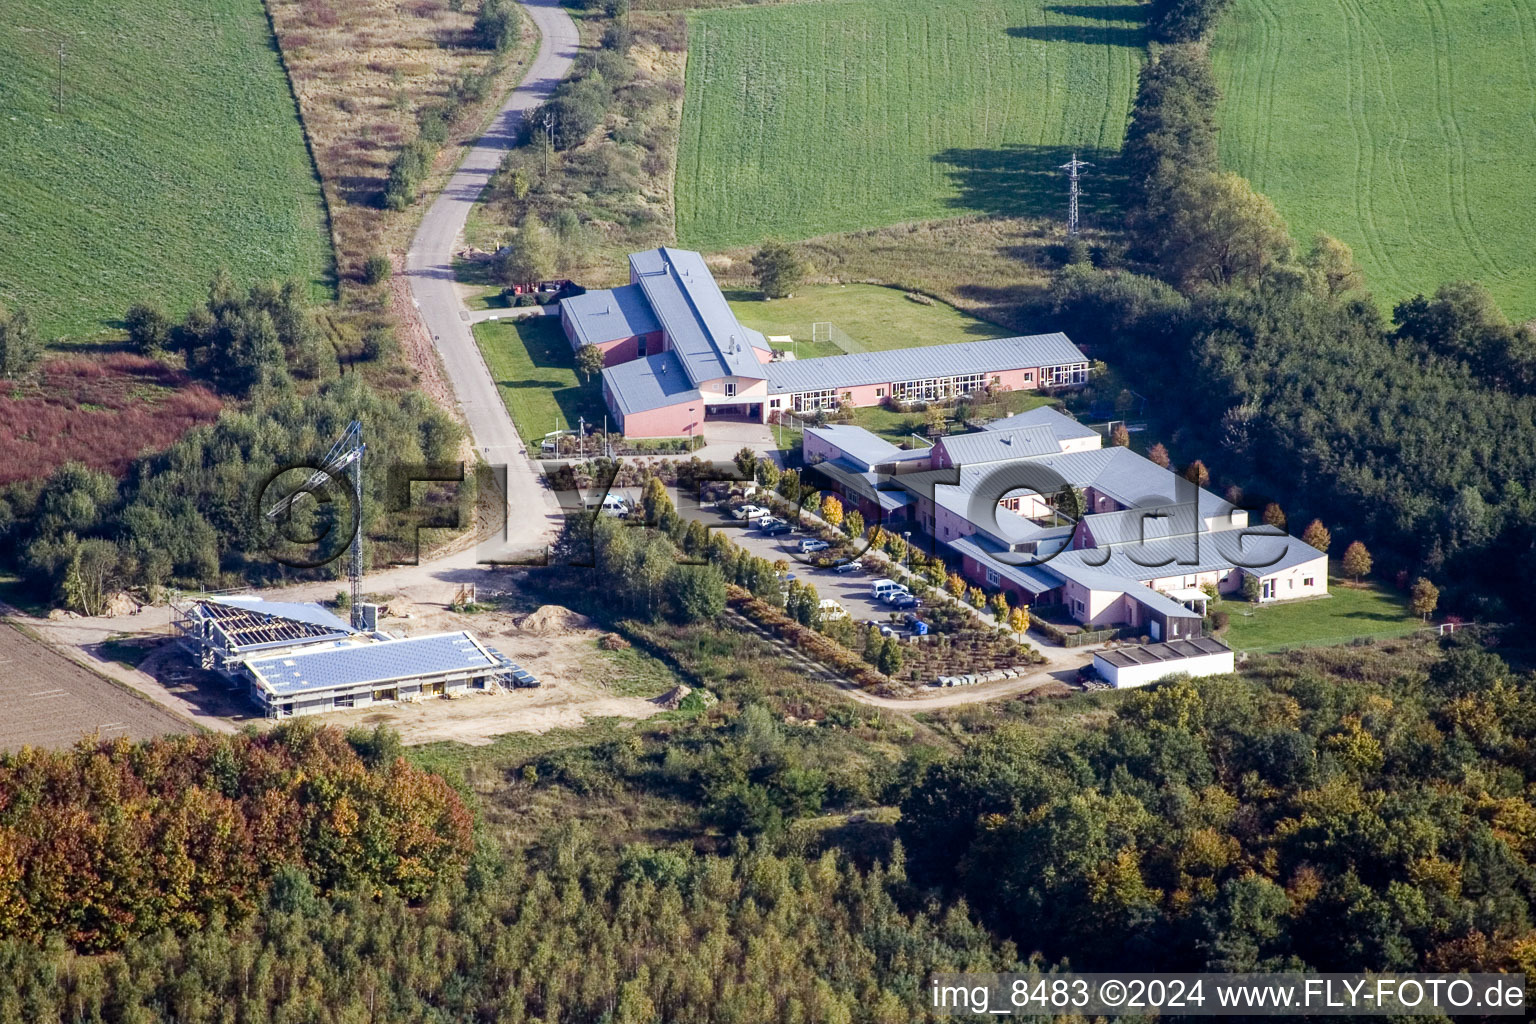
(345, 454)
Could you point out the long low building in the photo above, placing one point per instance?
(296, 658)
(352, 674)
(1126, 667)
(676, 357)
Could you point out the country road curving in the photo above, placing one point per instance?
(531, 511)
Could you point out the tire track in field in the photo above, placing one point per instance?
(1445, 97)
(1359, 125)
(1403, 181)
(1248, 81)
(1364, 57)
(1269, 73)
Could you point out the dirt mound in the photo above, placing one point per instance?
(553, 620)
(398, 607)
(120, 603)
(673, 698)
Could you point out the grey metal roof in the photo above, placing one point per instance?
(1034, 578)
(858, 444)
(386, 661)
(1084, 575)
(1260, 550)
(922, 363)
(298, 611)
(609, 314)
(1174, 650)
(1065, 427)
(857, 480)
(650, 383)
(1000, 445)
(688, 303)
(1136, 525)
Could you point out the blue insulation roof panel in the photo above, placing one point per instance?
(374, 664)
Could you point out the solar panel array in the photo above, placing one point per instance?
(378, 664)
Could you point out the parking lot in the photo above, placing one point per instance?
(849, 589)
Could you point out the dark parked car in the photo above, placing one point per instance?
(903, 601)
(774, 529)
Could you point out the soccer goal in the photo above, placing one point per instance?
(826, 330)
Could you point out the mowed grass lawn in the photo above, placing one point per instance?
(1403, 128)
(535, 372)
(874, 317)
(178, 151)
(1348, 613)
(805, 119)
(898, 427)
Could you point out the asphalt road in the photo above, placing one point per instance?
(531, 507)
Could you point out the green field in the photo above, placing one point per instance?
(872, 317)
(1403, 128)
(178, 151)
(1348, 613)
(806, 119)
(535, 373)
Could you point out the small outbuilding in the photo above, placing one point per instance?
(1137, 666)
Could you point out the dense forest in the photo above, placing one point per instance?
(1279, 821)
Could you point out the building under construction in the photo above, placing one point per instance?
(297, 658)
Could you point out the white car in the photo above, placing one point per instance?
(831, 610)
(748, 512)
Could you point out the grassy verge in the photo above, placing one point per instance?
(1349, 613)
(363, 72)
(995, 269)
(177, 150)
(875, 318)
(896, 112)
(634, 673)
(535, 373)
(898, 427)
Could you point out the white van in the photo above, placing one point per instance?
(611, 504)
(881, 589)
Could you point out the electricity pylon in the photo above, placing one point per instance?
(1073, 169)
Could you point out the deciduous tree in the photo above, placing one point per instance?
(1317, 535)
(1357, 561)
(779, 269)
(1425, 598)
(19, 343)
(589, 361)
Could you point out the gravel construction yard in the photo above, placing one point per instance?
(46, 700)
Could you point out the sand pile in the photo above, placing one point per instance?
(553, 620)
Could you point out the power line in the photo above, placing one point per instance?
(1073, 169)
